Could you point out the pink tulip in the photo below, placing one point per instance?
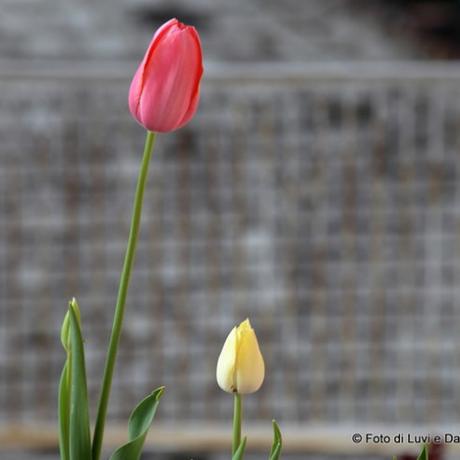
(165, 90)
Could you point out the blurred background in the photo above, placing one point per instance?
(315, 192)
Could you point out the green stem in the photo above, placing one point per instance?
(122, 292)
(237, 415)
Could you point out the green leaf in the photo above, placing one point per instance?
(80, 440)
(240, 451)
(64, 411)
(138, 426)
(276, 452)
(277, 442)
(423, 454)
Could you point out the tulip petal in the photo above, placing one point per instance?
(135, 93)
(250, 367)
(137, 84)
(226, 363)
(196, 90)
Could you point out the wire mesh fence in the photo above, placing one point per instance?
(325, 209)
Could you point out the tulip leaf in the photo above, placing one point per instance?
(423, 454)
(240, 451)
(276, 452)
(277, 442)
(138, 426)
(64, 411)
(80, 440)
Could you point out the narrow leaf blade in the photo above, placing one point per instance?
(277, 442)
(423, 454)
(80, 440)
(138, 426)
(64, 412)
(240, 451)
(276, 452)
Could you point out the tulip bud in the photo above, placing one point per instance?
(65, 328)
(240, 367)
(165, 90)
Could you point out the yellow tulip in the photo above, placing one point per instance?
(240, 367)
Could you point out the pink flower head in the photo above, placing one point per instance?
(165, 90)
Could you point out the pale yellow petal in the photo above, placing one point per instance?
(250, 367)
(245, 326)
(225, 372)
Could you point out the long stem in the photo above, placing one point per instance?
(237, 413)
(122, 292)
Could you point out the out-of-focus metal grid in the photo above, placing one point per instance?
(325, 209)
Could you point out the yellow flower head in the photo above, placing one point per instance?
(240, 367)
